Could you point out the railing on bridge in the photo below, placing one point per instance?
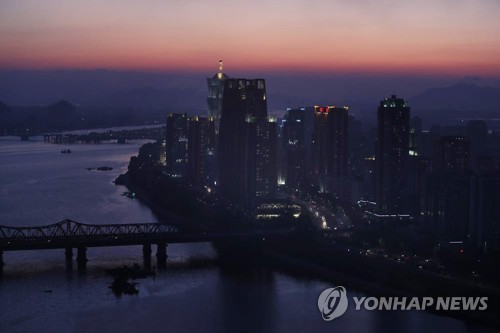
(75, 230)
(69, 235)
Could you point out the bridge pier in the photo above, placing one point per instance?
(68, 253)
(146, 253)
(161, 255)
(81, 258)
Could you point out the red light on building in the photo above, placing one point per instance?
(322, 109)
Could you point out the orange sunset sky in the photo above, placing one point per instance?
(421, 36)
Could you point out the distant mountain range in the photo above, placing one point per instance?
(181, 100)
(65, 116)
(174, 99)
(145, 97)
(459, 101)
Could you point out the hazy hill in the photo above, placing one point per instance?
(64, 116)
(106, 97)
(464, 100)
(174, 99)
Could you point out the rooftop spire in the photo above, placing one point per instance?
(221, 65)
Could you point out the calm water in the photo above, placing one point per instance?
(39, 185)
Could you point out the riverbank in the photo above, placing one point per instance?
(308, 253)
(220, 297)
(164, 215)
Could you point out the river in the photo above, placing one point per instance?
(39, 186)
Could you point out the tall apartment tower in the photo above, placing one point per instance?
(450, 188)
(452, 155)
(262, 150)
(201, 150)
(485, 210)
(176, 144)
(391, 156)
(243, 115)
(294, 145)
(320, 141)
(338, 157)
(330, 149)
(215, 95)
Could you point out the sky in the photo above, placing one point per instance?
(418, 37)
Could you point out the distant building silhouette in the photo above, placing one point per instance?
(262, 146)
(244, 132)
(415, 136)
(320, 145)
(391, 156)
(449, 187)
(201, 150)
(417, 168)
(485, 210)
(176, 144)
(215, 95)
(452, 155)
(329, 149)
(476, 131)
(338, 157)
(294, 144)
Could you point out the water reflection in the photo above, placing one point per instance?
(247, 295)
(196, 293)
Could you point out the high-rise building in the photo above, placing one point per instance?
(415, 136)
(243, 106)
(361, 162)
(417, 169)
(281, 152)
(201, 150)
(449, 186)
(320, 142)
(262, 146)
(476, 131)
(294, 146)
(329, 149)
(391, 156)
(215, 95)
(452, 155)
(485, 210)
(176, 144)
(338, 155)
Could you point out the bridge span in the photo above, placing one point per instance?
(70, 235)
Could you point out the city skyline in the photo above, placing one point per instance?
(424, 38)
(348, 154)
